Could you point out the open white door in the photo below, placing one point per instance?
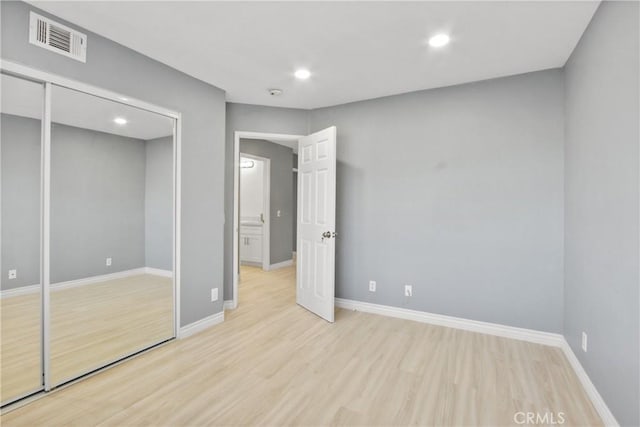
(317, 223)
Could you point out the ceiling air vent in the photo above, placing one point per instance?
(56, 37)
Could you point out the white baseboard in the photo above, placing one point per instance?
(24, 290)
(283, 264)
(158, 272)
(251, 263)
(598, 402)
(538, 337)
(97, 279)
(229, 305)
(200, 325)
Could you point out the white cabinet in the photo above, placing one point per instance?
(251, 245)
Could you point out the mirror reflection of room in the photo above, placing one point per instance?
(111, 232)
(111, 248)
(20, 291)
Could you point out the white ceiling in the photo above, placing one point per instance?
(355, 50)
(24, 98)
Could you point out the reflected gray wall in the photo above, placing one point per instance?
(458, 192)
(114, 67)
(111, 196)
(97, 203)
(251, 118)
(20, 153)
(159, 203)
(602, 283)
(281, 194)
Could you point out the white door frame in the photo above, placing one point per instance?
(266, 208)
(48, 79)
(235, 274)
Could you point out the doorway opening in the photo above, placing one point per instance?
(255, 202)
(264, 203)
(300, 226)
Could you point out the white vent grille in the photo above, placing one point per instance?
(56, 37)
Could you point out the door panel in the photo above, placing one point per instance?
(111, 232)
(20, 230)
(316, 223)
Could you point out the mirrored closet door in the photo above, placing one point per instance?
(20, 285)
(111, 232)
(88, 271)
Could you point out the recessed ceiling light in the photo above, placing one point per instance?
(120, 121)
(439, 40)
(302, 74)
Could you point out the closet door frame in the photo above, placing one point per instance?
(16, 398)
(49, 79)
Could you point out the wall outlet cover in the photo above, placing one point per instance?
(13, 274)
(214, 294)
(372, 286)
(584, 342)
(108, 262)
(408, 290)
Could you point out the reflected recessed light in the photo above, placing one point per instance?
(120, 121)
(302, 74)
(439, 40)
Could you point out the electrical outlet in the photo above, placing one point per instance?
(214, 294)
(108, 262)
(278, 213)
(372, 286)
(408, 290)
(584, 342)
(13, 274)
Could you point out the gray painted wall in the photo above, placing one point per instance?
(97, 203)
(601, 212)
(251, 118)
(20, 154)
(458, 192)
(159, 203)
(458, 188)
(281, 194)
(117, 68)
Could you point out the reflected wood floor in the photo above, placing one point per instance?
(91, 325)
(273, 363)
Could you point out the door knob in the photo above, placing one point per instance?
(328, 235)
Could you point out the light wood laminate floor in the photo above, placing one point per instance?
(91, 325)
(273, 363)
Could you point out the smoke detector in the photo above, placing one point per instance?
(275, 92)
